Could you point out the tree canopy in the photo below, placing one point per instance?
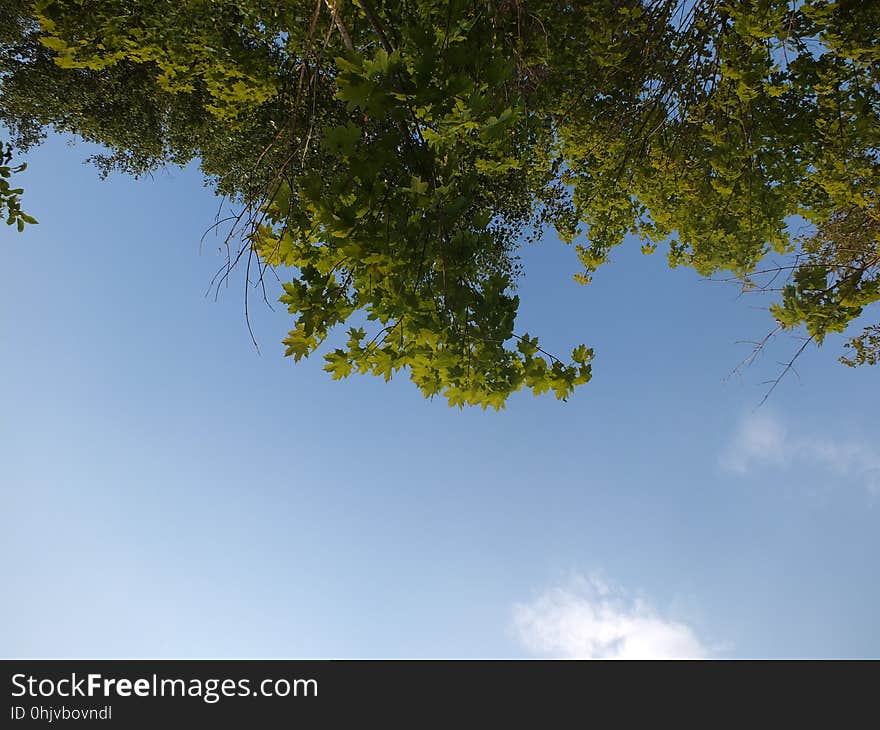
(390, 157)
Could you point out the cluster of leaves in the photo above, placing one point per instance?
(145, 114)
(761, 111)
(836, 277)
(392, 156)
(865, 347)
(407, 213)
(10, 198)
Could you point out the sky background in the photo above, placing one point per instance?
(165, 491)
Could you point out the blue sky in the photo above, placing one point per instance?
(166, 491)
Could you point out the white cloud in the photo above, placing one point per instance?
(587, 619)
(762, 440)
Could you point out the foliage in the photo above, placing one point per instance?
(837, 275)
(391, 157)
(865, 347)
(10, 198)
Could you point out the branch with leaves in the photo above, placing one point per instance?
(10, 197)
(389, 159)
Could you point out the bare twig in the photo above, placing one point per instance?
(789, 366)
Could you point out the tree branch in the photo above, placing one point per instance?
(375, 23)
(340, 24)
